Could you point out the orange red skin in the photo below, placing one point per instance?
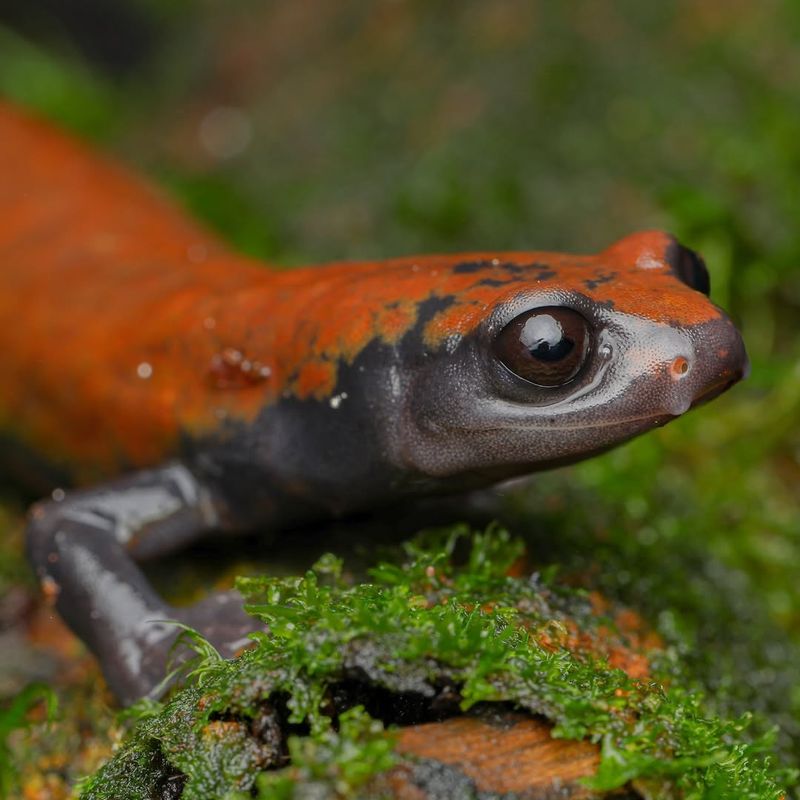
(239, 398)
(124, 326)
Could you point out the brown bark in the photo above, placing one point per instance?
(507, 753)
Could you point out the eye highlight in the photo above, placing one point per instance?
(545, 346)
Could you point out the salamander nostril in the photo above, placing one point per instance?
(679, 367)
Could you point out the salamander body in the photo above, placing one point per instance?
(190, 390)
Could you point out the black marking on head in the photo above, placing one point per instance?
(411, 343)
(471, 266)
(605, 277)
(497, 281)
(428, 308)
(545, 274)
(688, 266)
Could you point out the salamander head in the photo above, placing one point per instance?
(573, 356)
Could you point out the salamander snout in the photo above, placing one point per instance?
(716, 360)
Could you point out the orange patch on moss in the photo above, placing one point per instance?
(624, 646)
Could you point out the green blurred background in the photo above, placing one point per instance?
(314, 130)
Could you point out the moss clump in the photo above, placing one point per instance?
(338, 762)
(424, 640)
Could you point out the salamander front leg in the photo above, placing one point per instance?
(84, 549)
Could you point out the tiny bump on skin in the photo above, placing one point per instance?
(679, 367)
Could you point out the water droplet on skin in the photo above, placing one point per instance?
(144, 370)
(232, 356)
(338, 399)
(58, 495)
(209, 323)
(230, 369)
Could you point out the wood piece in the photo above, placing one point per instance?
(506, 753)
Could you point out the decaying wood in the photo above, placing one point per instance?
(505, 753)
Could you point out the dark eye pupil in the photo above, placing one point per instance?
(545, 338)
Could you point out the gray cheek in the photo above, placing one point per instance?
(462, 418)
(465, 416)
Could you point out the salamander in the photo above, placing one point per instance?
(177, 389)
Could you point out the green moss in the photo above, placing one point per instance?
(60, 88)
(14, 719)
(339, 761)
(436, 627)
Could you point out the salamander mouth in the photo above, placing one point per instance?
(656, 420)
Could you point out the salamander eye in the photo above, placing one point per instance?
(546, 346)
(689, 267)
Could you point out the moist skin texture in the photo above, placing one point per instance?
(189, 390)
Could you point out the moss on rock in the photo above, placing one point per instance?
(443, 632)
